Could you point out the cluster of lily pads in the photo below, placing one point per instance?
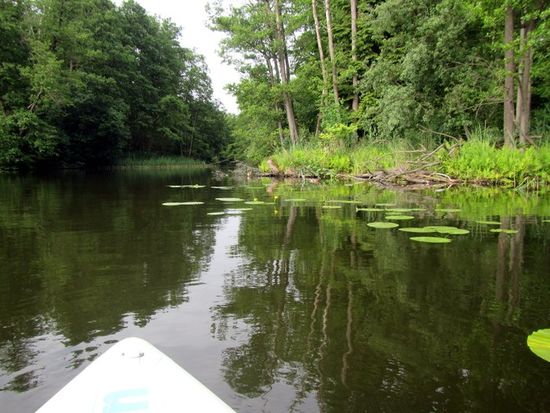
(255, 201)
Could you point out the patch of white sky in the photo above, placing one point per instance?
(192, 18)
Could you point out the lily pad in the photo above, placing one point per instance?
(546, 220)
(225, 188)
(447, 210)
(432, 240)
(417, 230)
(457, 231)
(332, 206)
(488, 222)
(187, 186)
(295, 200)
(382, 225)
(259, 203)
(216, 213)
(505, 231)
(182, 203)
(398, 217)
(403, 209)
(370, 209)
(237, 210)
(442, 229)
(229, 199)
(344, 201)
(385, 204)
(539, 343)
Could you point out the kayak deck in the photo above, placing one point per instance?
(134, 376)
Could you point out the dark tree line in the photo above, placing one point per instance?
(84, 82)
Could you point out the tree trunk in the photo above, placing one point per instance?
(524, 88)
(355, 103)
(509, 67)
(331, 52)
(281, 54)
(274, 80)
(320, 47)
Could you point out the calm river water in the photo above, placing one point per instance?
(287, 306)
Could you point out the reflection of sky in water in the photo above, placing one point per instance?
(284, 307)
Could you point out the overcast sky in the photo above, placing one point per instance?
(191, 16)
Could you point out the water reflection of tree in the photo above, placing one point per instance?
(364, 319)
(81, 253)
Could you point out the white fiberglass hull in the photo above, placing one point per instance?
(133, 376)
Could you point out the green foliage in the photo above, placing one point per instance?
(481, 160)
(84, 82)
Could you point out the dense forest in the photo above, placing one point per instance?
(327, 86)
(342, 73)
(84, 83)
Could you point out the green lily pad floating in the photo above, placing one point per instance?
(458, 231)
(370, 209)
(382, 225)
(295, 200)
(259, 203)
(225, 188)
(505, 231)
(447, 210)
(187, 186)
(216, 213)
(417, 230)
(442, 229)
(229, 199)
(431, 240)
(539, 343)
(546, 220)
(400, 210)
(398, 217)
(488, 222)
(237, 210)
(182, 203)
(344, 201)
(331, 206)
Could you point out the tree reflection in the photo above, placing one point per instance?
(366, 320)
(82, 253)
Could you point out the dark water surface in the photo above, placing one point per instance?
(285, 307)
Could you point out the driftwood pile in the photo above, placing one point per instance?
(418, 172)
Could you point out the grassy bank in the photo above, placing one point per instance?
(476, 160)
(159, 162)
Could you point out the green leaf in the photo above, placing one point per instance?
(369, 209)
(505, 231)
(447, 210)
(382, 225)
(539, 343)
(229, 199)
(432, 240)
(196, 186)
(417, 230)
(398, 217)
(182, 203)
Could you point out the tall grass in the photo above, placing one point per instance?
(138, 161)
(478, 159)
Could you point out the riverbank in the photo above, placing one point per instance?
(475, 161)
